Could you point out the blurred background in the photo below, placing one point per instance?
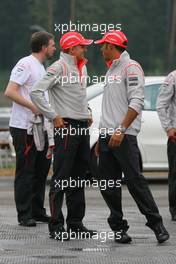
(150, 27)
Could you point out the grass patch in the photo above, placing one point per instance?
(7, 172)
(10, 171)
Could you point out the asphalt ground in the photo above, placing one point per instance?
(32, 245)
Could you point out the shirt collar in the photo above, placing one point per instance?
(72, 60)
(123, 57)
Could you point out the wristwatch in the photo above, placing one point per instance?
(90, 110)
(121, 129)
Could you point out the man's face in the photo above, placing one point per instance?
(79, 52)
(50, 49)
(106, 51)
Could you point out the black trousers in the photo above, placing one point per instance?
(171, 151)
(112, 162)
(32, 169)
(71, 159)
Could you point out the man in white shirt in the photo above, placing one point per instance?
(31, 165)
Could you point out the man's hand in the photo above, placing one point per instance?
(34, 109)
(172, 134)
(90, 121)
(116, 140)
(13, 92)
(97, 149)
(59, 122)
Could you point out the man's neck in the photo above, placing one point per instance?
(39, 56)
(116, 56)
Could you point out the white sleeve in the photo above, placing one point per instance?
(53, 75)
(20, 73)
(164, 100)
(135, 87)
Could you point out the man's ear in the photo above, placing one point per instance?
(111, 46)
(71, 50)
(44, 47)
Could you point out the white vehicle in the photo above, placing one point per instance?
(152, 139)
(5, 137)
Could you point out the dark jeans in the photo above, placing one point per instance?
(111, 164)
(171, 152)
(32, 169)
(71, 159)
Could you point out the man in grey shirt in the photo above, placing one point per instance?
(166, 107)
(66, 84)
(117, 147)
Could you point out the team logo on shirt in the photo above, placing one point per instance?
(19, 69)
(133, 79)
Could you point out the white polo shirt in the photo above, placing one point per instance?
(26, 73)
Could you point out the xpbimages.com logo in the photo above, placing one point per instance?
(82, 131)
(81, 183)
(82, 27)
(74, 78)
(103, 236)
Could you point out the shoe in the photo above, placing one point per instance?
(29, 222)
(42, 218)
(174, 217)
(122, 237)
(60, 234)
(160, 232)
(81, 232)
